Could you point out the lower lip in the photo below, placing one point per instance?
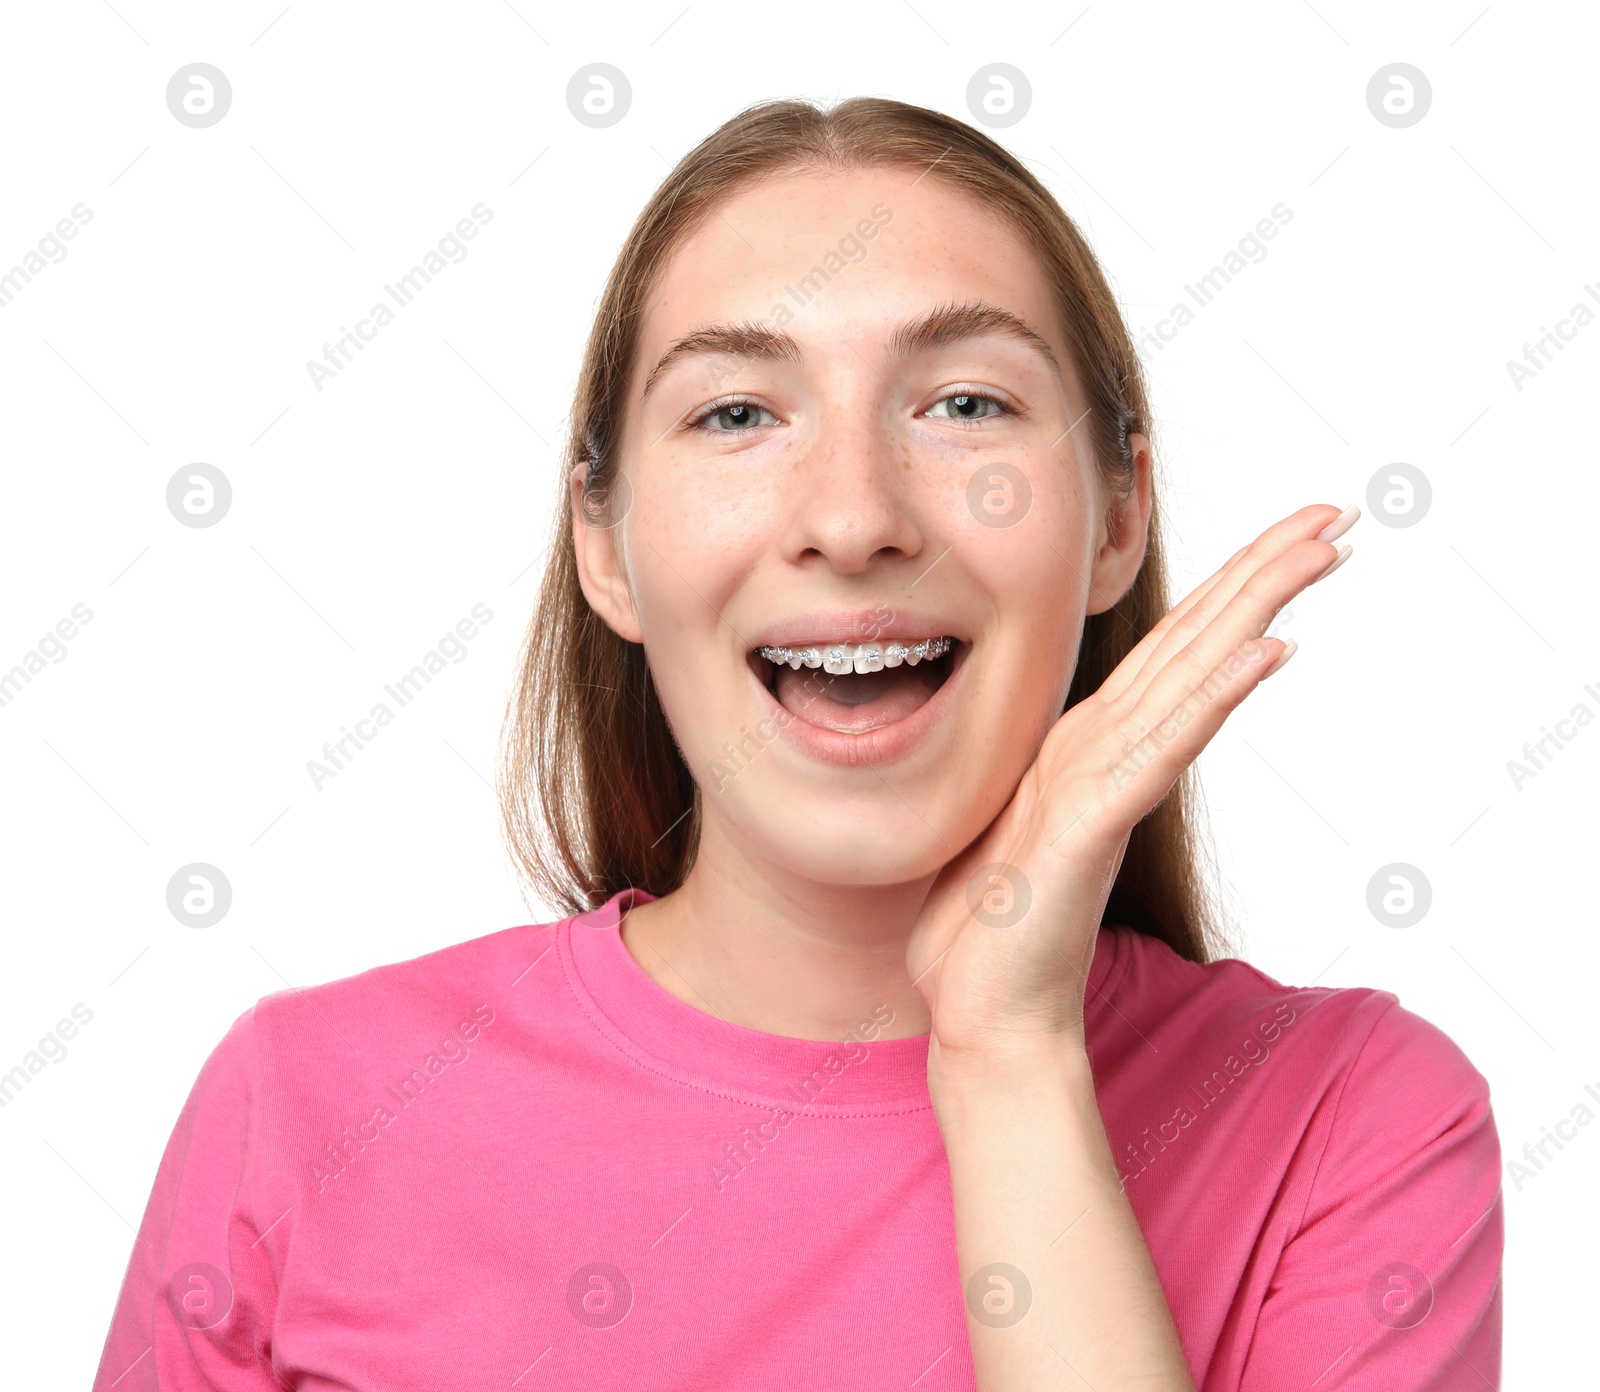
(880, 746)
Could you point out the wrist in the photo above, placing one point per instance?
(1032, 1095)
(1009, 1065)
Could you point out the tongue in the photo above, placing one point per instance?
(855, 702)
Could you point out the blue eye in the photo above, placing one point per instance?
(731, 417)
(967, 406)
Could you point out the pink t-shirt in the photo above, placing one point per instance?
(520, 1164)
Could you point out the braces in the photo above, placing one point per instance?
(839, 658)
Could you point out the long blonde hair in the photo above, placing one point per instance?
(595, 796)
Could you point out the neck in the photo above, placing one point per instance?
(759, 946)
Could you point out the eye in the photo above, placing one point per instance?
(968, 406)
(731, 417)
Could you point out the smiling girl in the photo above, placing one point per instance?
(888, 1042)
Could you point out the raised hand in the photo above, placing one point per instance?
(1002, 949)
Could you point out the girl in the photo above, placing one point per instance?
(887, 1042)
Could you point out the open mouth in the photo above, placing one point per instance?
(852, 688)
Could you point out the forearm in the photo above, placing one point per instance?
(1036, 1189)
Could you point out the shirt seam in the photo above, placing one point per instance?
(257, 1123)
(1333, 1121)
(639, 1058)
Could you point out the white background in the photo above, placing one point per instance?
(369, 517)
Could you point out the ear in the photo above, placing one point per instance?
(600, 571)
(1124, 534)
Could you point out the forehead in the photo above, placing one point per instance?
(837, 258)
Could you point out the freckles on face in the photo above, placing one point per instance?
(697, 531)
(835, 478)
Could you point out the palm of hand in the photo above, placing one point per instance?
(1002, 948)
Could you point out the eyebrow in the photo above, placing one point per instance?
(943, 325)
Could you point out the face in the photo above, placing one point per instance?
(862, 524)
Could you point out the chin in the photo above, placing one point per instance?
(852, 843)
(858, 863)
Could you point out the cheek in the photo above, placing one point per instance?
(1028, 540)
(1035, 576)
(692, 542)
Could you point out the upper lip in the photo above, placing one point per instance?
(852, 626)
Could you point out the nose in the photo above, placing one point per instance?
(854, 501)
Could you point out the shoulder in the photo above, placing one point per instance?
(1354, 1104)
(1358, 1047)
(396, 1007)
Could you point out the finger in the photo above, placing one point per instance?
(1197, 691)
(1229, 654)
(1281, 533)
(1179, 626)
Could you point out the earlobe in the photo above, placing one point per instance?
(1125, 534)
(600, 573)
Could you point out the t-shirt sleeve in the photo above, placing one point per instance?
(1392, 1280)
(196, 1305)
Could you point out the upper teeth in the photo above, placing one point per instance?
(839, 658)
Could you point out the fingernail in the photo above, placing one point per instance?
(1336, 562)
(1340, 524)
(1289, 649)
